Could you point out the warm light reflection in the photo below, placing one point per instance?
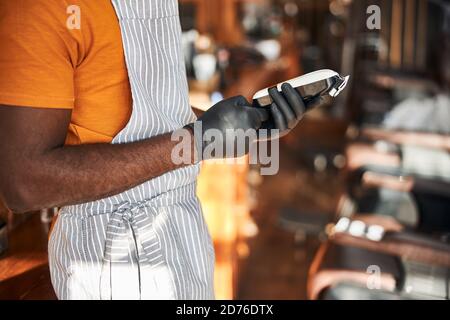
(226, 210)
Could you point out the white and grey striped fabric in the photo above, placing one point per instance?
(150, 242)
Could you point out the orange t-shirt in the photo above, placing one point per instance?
(46, 64)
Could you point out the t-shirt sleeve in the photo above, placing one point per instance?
(37, 55)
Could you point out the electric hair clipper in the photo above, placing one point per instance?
(314, 88)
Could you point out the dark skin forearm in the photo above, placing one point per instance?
(89, 172)
(37, 171)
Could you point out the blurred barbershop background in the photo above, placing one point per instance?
(360, 208)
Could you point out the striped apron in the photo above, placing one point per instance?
(150, 242)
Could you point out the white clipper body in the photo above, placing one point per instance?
(310, 86)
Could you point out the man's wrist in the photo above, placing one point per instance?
(195, 146)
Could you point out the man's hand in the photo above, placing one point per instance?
(217, 127)
(287, 109)
(235, 116)
(37, 171)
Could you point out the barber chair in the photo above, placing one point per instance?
(416, 191)
(391, 238)
(415, 202)
(344, 272)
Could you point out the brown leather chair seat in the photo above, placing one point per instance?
(402, 271)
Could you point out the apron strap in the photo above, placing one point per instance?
(131, 247)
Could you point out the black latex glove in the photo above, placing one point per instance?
(227, 116)
(286, 110)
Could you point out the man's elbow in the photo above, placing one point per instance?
(16, 194)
